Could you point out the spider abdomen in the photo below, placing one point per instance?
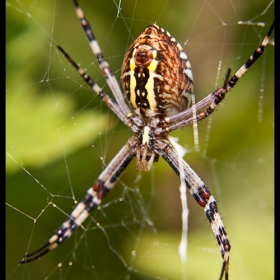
(156, 74)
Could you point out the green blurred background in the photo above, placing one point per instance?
(59, 137)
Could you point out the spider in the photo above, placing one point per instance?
(158, 88)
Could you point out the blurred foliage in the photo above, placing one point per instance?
(59, 136)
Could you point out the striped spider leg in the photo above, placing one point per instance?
(158, 84)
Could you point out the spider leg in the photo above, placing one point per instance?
(104, 66)
(213, 99)
(95, 87)
(104, 183)
(202, 196)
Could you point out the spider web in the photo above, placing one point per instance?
(59, 137)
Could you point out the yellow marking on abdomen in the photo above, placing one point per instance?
(132, 81)
(150, 84)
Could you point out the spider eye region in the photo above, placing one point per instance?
(156, 74)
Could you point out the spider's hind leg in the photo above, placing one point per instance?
(202, 195)
(92, 199)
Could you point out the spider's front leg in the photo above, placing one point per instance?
(92, 199)
(203, 197)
